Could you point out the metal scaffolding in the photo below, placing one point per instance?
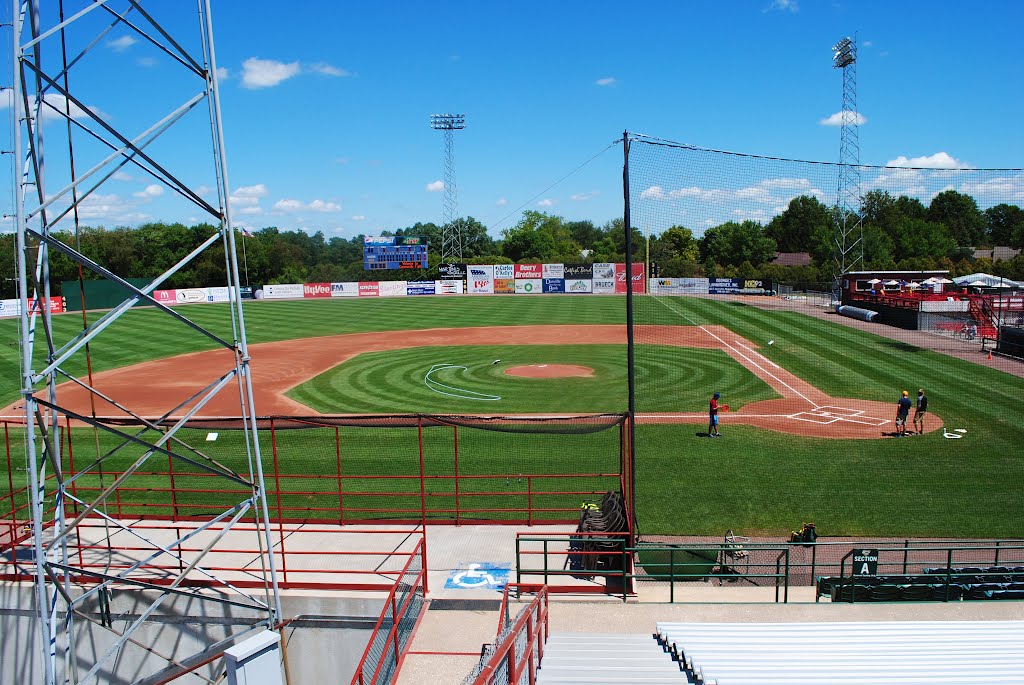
(849, 239)
(78, 575)
(451, 227)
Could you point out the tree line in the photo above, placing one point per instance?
(899, 233)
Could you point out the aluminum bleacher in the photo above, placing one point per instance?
(606, 659)
(896, 653)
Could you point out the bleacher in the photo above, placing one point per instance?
(607, 659)
(881, 653)
(935, 584)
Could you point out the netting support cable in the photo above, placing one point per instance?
(630, 370)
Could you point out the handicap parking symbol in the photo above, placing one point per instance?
(478, 576)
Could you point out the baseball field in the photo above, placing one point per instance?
(804, 439)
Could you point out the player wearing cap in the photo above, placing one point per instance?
(902, 410)
(920, 410)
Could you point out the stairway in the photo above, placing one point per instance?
(606, 659)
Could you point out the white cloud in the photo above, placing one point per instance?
(940, 160)
(995, 190)
(784, 6)
(325, 69)
(435, 186)
(203, 190)
(248, 196)
(546, 203)
(358, 217)
(147, 62)
(583, 197)
(122, 176)
(251, 211)
(267, 73)
(606, 81)
(501, 202)
(867, 44)
(121, 44)
(321, 206)
(837, 119)
(653, 193)
(54, 106)
(223, 74)
(150, 192)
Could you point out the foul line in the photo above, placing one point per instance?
(740, 354)
(465, 394)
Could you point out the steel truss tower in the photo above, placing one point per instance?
(86, 560)
(451, 230)
(849, 238)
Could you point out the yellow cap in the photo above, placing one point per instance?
(906, 394)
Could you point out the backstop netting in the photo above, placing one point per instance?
(809, 398)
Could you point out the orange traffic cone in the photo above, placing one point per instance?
(990, 355)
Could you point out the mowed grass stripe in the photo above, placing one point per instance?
(671, 379)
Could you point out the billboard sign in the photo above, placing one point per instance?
(481, 279)
(529, 286)
(450, 287)
(451, 271)
(316, 290)
(637, 278)
(504, 270)
(392, 289)
(529, 271)
(554, 285)
(603, 271)
(282, 291)
(504, 286)
(348, 289)
(575, 271)
(554, 271)
(420, 288)
(369, 288)
(579, 286)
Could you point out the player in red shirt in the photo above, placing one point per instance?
(713, 417)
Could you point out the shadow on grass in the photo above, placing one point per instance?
(902, 346)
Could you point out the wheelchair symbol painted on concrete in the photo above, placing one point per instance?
(476, 576)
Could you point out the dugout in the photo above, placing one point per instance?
(1011, 341)
(99, 294)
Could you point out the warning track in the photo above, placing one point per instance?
(277, 367)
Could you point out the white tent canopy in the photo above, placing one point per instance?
(988, 281)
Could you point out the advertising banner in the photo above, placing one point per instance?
(369, 289)
(12, 307)
(504, 286)
(481, 279)
(756, 286)
(529, 286)
(603, 286)
(449, 272)
(529, 271)
(554, 285)
(637, 279)
(575, 271)
(603, 271)
(679, 286)
(189, 295)
(165, 296)
(347, 289)
(392, 289)
(247, 292)
(504, 270)
(554, 271)
(420, 288)
(218, 294)
(316, 290)
(450, 287)
(724, 286)
(579, 286)
(281, 291)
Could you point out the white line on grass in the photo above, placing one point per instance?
(738, 352)
(465, 394)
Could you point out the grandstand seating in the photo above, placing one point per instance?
(606, 659)
(847, 653)
(935, 584)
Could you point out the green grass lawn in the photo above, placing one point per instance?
(753, 481)
(408, 381)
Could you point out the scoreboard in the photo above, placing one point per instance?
(394, 252)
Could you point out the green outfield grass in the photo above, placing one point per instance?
(753, 481)
(408, 381)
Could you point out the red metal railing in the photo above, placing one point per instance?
(507, 662)
(384, 652)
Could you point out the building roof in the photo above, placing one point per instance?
(792, 259)
(998, 253)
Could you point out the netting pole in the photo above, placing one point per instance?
(630, 368)
(280, 511)
(423, 477)
(13, 537)
(341, 495)
(455, 432)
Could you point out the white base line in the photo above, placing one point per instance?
(761, 356)
(738, 353)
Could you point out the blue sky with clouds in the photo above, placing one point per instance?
(326, 109)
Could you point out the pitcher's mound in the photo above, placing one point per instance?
(550, 371)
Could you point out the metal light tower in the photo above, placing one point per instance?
(451, 230)
(849, 239)
(86, 559)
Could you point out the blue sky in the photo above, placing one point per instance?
(326, 110)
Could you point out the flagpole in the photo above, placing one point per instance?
(245, 260)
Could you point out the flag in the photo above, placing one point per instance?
(245, 232)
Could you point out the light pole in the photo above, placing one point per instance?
(451, 231)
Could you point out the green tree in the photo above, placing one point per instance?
(960, 214)
(916, 238)
(794, 228)
(1006, 225)
(539, 237)
(731, 243)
